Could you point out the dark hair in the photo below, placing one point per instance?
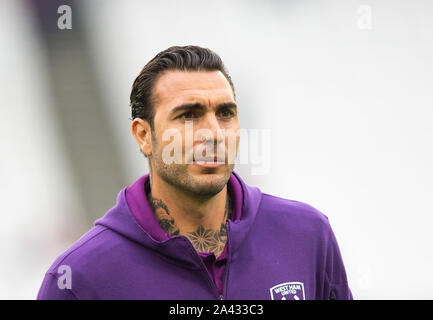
(186, 58)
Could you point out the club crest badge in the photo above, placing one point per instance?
(288, 291)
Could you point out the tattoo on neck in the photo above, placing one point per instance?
(203, 240)
(162, 214)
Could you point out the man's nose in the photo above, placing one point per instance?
(212, 124)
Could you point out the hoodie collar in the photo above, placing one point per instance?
(121, 220)
(140, 208)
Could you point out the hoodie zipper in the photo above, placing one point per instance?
(224, 288)
(204, 269)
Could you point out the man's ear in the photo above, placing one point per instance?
(142, 133)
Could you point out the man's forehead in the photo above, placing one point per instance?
(189, 86)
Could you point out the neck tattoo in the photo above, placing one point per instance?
(202, 239)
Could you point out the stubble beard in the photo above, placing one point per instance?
(204, 185)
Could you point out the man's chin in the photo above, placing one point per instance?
(209, 177)
(198, 180)
(210, 181)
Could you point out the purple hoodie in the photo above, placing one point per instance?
(280, 249)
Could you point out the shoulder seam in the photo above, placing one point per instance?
(288, 200)
(54, 275)
(302, 204)
(75, 249)
(331, 283)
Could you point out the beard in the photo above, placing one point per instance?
(206, 184)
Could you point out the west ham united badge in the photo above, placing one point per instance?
(288, 291)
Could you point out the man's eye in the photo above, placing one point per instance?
(226, 113)
(188, 115)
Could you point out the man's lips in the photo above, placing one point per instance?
(209, 162)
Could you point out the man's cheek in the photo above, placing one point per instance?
(170, 148)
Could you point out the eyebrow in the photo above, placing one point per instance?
(201, 107)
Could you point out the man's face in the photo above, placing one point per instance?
(193, 103)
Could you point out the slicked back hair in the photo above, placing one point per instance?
(186, 58)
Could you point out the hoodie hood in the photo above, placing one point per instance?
(121, 220)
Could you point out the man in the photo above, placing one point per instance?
(191, 228)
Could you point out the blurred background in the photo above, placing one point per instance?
(345, 88)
